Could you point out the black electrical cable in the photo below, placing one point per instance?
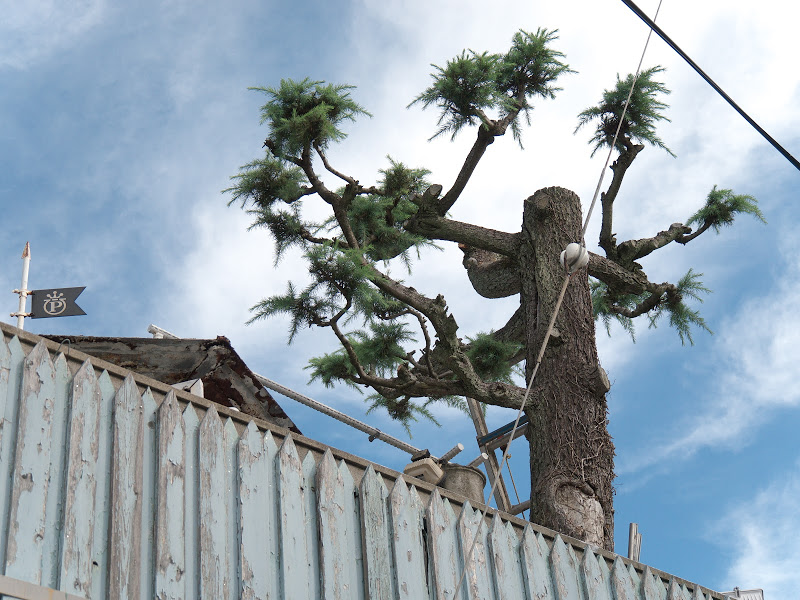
(638, 12)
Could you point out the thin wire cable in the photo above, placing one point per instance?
(653, 27)
(514, 485)
(616, 133)
(516, 424)
(556, 309)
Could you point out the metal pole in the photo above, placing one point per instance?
(23, 289)
(373, 432)
(492, 464)
(451, 453)
(479, 461)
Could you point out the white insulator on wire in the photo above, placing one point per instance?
(574, 258)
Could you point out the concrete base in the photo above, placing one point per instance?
(464, 480)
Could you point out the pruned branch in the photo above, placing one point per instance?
(619, 168)
(484, 139)
(616, 277)
(429, 224)
(647, 305)
(340, 175)
(632, 250)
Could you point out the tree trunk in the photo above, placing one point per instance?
(572, 468)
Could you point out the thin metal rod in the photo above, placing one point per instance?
(483, 457)
(491, 464)
(520, 508)
(455, 450)
(651, 24)
(23, 290)
(373, 432)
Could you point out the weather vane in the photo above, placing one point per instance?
(46, 303)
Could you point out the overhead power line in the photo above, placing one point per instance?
(638, 12)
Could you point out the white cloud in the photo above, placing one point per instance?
(752, 374)
(761, 536)
(34, 30)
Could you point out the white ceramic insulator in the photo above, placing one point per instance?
(574, 258)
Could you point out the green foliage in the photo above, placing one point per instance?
(461, 90)
(681, 317)
(332, 368)
(379, 352)
(639, 124)
(302, 113)
(263, 182)
(491, 357)
(602, 303)
(338, 277)
(305, 308)
(286, 227)
(339, 271)
(721, 208)
(372, 304)
(377, 219)
(381, 349)
(529, 69)
(405, 410)
(473, 83)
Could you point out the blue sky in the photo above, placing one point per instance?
(119, 126)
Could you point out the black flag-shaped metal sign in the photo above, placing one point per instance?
(55, 303)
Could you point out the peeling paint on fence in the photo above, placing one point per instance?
(114, 486)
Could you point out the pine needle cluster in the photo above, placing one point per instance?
(639, 123)
(473, 83)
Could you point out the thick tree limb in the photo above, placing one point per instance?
(489, 130)
(619, 279)
(632, 250)
(482, 142)
(685, 239)
(439, 228)
(429, 223)
(619, 167)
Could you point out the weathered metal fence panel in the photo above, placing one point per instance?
(79, 508)
(504, 547)
(376, 537)
(113, 486)
(31, 477)
(171, 498)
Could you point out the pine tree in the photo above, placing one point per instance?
(405, 346)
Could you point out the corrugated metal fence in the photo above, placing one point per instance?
(114, 486)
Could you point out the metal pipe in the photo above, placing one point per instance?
(521, 507)
(23, 289)
(451, 453)
(373, 432)
(479, 461)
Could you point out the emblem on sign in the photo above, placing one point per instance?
(55, 303)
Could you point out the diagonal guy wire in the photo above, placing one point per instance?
(556, 309)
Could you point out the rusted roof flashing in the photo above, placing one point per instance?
(226, 378)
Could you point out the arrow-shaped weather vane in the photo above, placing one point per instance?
(46, 303)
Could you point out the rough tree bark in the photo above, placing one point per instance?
(571, 452)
